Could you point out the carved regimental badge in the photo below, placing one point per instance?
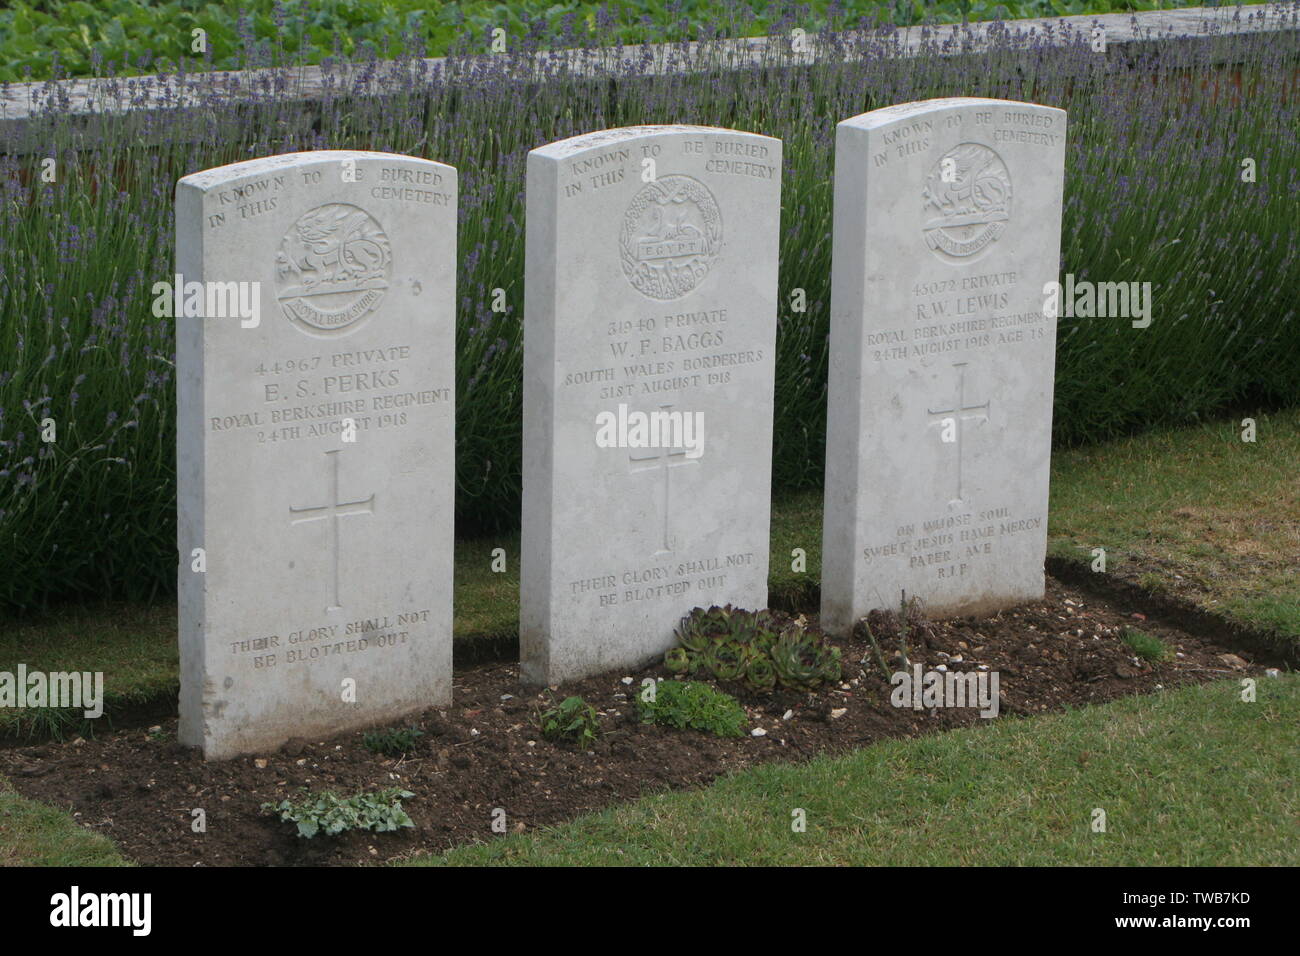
(671, 235)
(966, 202)
(333, 268)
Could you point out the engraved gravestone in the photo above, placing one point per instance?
(947, 226)
(315, 438)
(650, 324)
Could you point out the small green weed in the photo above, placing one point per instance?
(393, 742)
(326, 812)
(1145, 646)
(693, 705)
(573, 720)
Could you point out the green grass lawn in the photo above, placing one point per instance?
(1194, 511)
(1193, 777)
(32, 834)
(1197, 513)
(134, 645)
(1187, 777)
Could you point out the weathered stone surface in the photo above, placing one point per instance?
(947, 227)
(315, 446)
(645, 297)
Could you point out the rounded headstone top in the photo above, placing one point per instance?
(601, 139)
(890, 114)
(223, 175)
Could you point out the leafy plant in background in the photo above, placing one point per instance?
(692, 705)
(572, 720)
(39, 36)
(392, 742)
(1153, 192)
(328, 813)
(733, 644)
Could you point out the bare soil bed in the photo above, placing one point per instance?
(138, 787)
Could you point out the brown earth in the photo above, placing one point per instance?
(138, 787)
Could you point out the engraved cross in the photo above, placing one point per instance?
(662, 460)
(959, 410)
(336, 510)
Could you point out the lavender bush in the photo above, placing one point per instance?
(1153, 193)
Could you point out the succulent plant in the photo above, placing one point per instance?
(726, 660)
(760, 674)
(678, 660)
(802, 660)
(691, 634)
(764, 636)
(701, 628)
(735, 644)
(831, 671)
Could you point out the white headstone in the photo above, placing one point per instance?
(651, 290)
(314, 445)
(947, 226)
